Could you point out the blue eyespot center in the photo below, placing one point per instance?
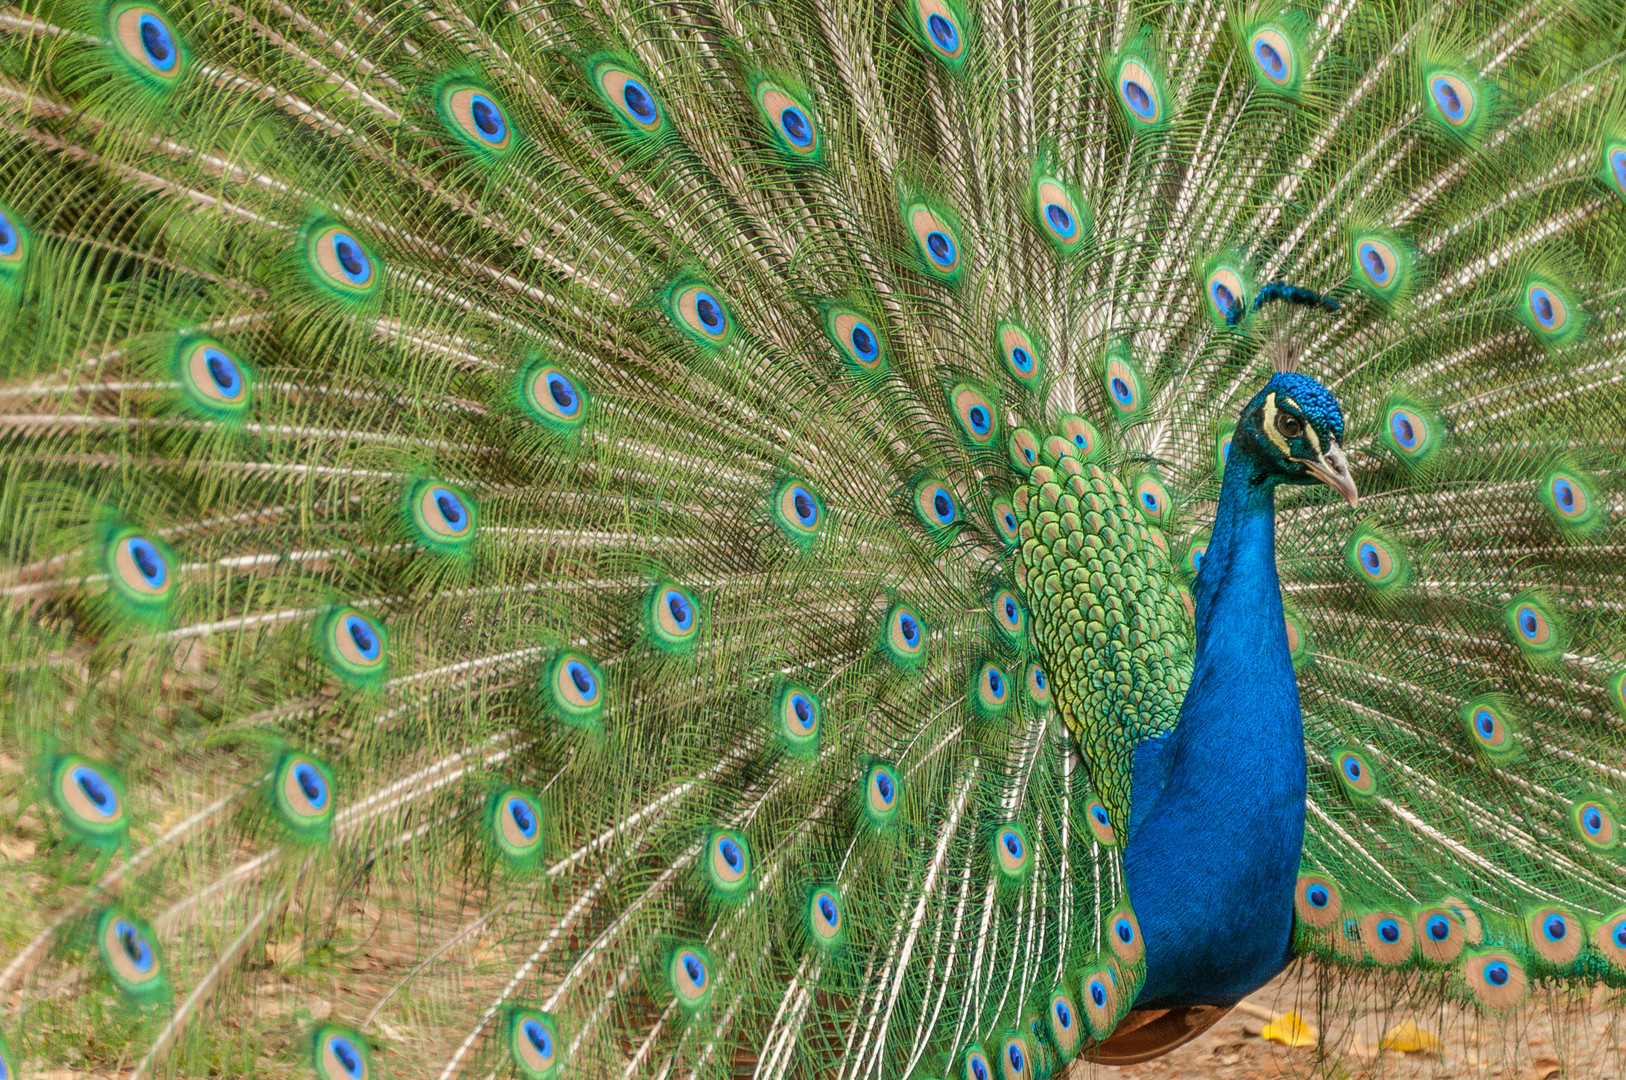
(795, 125)
(1542, 304)
(978, 416)
(156, 42)
(884, 787)
(1376, 268)
(1038, 678)
(223, 373)
(864, 343)
(1022, 360)
(940, 247)
(1528, 623)
(1564, 494)
(1404, 433)
(1013, 844)
(1010, 610)
(1389, 930)
(524, 818)
(827, 908)
(311, 785)
(1099, 813)
(451, 509)
(539, 1038)
(9, 239)
(96, 789)
(1352, 769)
(1620, 934)
(1592, 820)
(944, 33)
(731, 853)
(638, 101)
(681, 611)
(346, 1054)
(134, 945)
(1125, 931)
(1318, 896)
(1224, 298)
(1496, 973)
(1121, 391)
(807, 511)
(1148, 500)
(694, 969)
(996, 684)
(1446, 96)
(1370, 559)
(362, 635)
(909, 628)
(1014, 1052)
(1486, 723)
(978, 1069)
(1439, 927)
(351, 259)
(1064, 1015)
(1098, 994)
(148, 562)
(582, 679)
(1269, 59)
(1138, 100)
(1010, 521)
(709, 312)
(1060, 219)
(563, 393)
(803, 709)
(1555, 927)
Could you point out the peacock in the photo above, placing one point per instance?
(840, 538)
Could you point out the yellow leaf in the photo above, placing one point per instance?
(1408, 1038)
(1289, 1030)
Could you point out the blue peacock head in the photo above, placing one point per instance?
(1291, 429)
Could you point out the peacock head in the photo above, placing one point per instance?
(1291, 429)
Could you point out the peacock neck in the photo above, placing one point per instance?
(1217, 806)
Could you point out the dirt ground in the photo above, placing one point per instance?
(1554, 1037)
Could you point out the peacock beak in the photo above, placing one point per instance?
(1332, 469)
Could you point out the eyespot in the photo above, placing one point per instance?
(791, 120)
(992, 691)
(1123, 934)
(881, 793)
(1062, 1019)
(1355, 773)
(1272, 56)
(443, 517)
(552, 396)
(1038, 685)
(1556, 935)
(1409, 432)
(1139, 92)
(1594, 823)
(1099, 997)
(1009, 616)
(515, 823)
(1568, 498)
(630, 97)
(1024, 450)
(1099, 819)
(1453, 98)
(1059, 216)
(575, 689)
(797, 714)
(673, 616)
(935, 505)
(1377, 261)
(1387, 937)
(1533, 625)
(341, 1054)
(799, 511)
(856, 339)
(90, 800)
(1317, 901)
(356, 646)
(974, 413)
(533, 1044)
(1020, 354)
(730, 865)
(129, 953)
(976, 1065)
(1151, 498)
(1547, 308)
(13, 249)
(341, 262)
(697, 310)
(1610, 938)
(1005, 521)
(1080, 437)
(906, 635)
(139, 570)
(1013, 1058)
(824, 916)
(1123, 387)
(1226, 294)
(690, 975)
(1195, 550)
(941, 29)
(474, 116)
(1012, 857)
(144, 39)
(1490, 727)
(1376, 559)
(1495, 979)
(211, 377)
(1439, 935)
(1299, 648)
(935, 237)
(302, 795)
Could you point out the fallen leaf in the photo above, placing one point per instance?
(1289, 1030)
(1408, 1038)
(1544, 1069)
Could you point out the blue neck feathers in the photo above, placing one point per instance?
(1217, 812)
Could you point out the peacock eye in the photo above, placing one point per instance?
(1289, 425)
